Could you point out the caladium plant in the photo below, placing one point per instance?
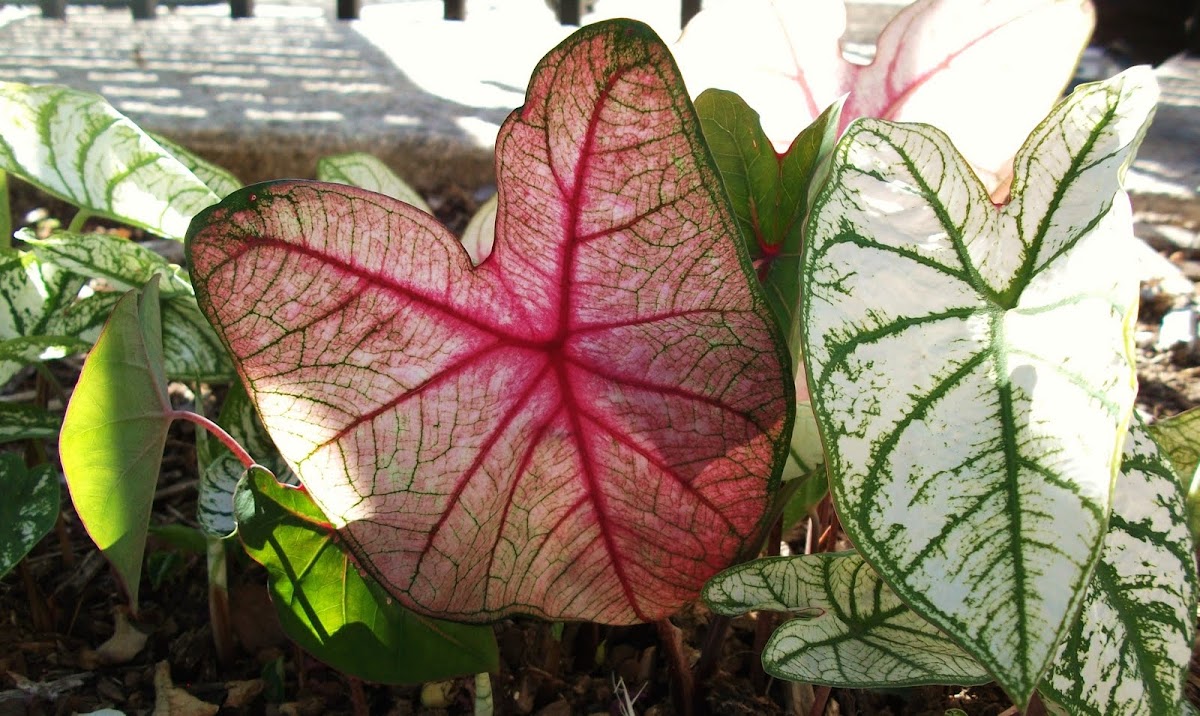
(586, 425)
(983, 71)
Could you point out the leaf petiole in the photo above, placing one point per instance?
(217, 431)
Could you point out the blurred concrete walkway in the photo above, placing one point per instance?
(267, 96)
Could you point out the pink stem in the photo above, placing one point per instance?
(216, 431)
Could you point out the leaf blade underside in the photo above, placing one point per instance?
(930, 318)
(587, 424)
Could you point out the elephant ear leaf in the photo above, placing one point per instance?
(970, 366)
(587, 424)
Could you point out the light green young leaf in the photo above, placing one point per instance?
(75, 146)
(219, 179)
(26, 422)
(1179, 436)
(971, 366)
(114, 433)
(29, 503)
(33, 293)
(367, 172)
(850, 630)
(333, 611)
(222, 469)
(124, 264)
(1128, 653)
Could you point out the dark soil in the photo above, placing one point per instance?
(61, 604)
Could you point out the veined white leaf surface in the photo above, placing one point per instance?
(219, 179)
(367, 172)
(1128, 653)
(76, 146)
(851, 629)
(124, 264)
(971, 370)
(33, 294)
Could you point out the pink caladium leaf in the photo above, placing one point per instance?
(983, 71)
(588, 424)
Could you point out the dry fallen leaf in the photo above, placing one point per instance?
(170, 700)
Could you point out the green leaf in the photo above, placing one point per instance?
(367, 172)
(75, 146)
(334, 612)
(971, 366)
(769, 192)
(812, 489)
(114, 433)
(29, 503)
(26, 422)
(220, 180)
(124, 264)
(1129, 651)
(221, 468)
(770, 196)
(851, 629)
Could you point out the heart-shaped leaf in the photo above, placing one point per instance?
(971, 366)
(585, 426)
(29, 503)
(850, 630)
(930, 65)
(1128, 652)
(75, 146)
(339, 615)
(114, 433)
(367, 172)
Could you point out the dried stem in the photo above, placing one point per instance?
(683, 692)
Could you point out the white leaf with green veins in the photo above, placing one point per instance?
(971, 366)
(124, 264)
(1128, 653)
(367, 172)
(851, 630)
(76, 146)
(33, 293)
(219, 179)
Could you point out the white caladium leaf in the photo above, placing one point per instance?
(1128, 652)
(221, 469)
(33, 294)
(76, 146)
(367, 172)
(219, 179)
(970, 366)
(124, 264)
(850, 630)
